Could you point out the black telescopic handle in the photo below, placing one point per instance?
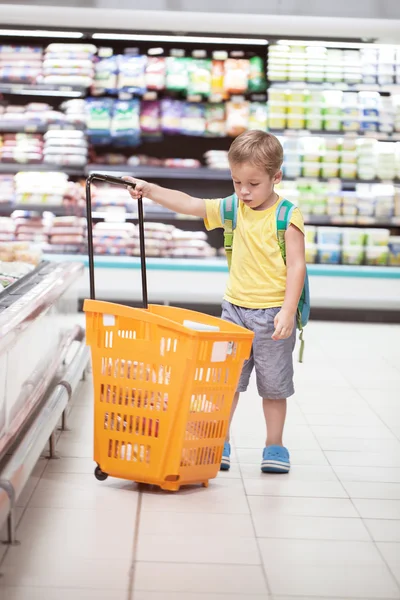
(115, 181)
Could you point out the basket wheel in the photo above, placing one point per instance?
(99, 474)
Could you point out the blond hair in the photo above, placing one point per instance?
(258, 148)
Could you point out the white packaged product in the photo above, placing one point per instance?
(377, 255)
(377, 237)
(353, 255)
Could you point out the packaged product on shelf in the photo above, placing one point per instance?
(131, 76)
(386, 161)
(236, 76)
(125, 122)
(377, 237)
(75, 112)
(217, 159)
(377, 255)
(69, 64)
(21, 64)
(98, 119)
(367, 150)
(150, 118)
(329, 235)
(384, 195)
(258, 116)
(353, 255)
(349, 204)
(237, 117)
(181, 163)
(41, 188)
(155, 73)
(348, 171)
(257, 81)
(199, 77)
(334, 205)
(171, 114)
(311, 252)
(369, 67)
(66, 147)
(105, 76)
(7, 188)
(215, 120)
(310, 234)
(177, 78)
(394, 251)
(217, 78)
(353, 236)
(329, 254)
(193, 121)
(22, 148)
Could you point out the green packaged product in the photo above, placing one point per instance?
(177, 73)
(199, 77)
(257, 81)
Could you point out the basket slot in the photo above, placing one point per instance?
(123, 450)
(127, 334)
(134, 425)
(214, 375)
(203, 430)
(168, 345)
(207, 403)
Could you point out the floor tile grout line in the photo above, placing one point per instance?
(132, 570)
(396, 581)
(397, 437)
(264, 571)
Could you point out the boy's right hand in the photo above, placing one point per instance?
(143, 188)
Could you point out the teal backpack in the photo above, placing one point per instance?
(228, 211)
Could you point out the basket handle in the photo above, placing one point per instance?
(114, 181)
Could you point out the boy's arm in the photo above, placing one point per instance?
(176, 201)
(296, 272)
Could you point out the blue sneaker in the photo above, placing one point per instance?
(226, 458)
(276, 459)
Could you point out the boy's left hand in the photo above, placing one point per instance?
(284, 324)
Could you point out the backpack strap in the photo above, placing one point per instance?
(228, 212)
(284, 213)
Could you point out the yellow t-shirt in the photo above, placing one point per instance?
(257, 277)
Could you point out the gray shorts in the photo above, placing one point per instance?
(273, 360)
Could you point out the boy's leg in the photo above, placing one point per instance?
(274, 369)
(236, 315)
(233, 409)
(275, 415)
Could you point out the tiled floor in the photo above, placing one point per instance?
(329, 529)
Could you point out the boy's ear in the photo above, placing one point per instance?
(278, 177)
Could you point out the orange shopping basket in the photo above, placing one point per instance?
(164, 380)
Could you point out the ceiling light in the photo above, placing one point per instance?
(40, 33)
(180, 39)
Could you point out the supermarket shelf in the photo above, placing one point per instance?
(170, 216)
(375, 135)
(18, 127)
(196, 174)
(25, 89)
(163, 172)
(32, 127)
(204, 282)
(339, 86)
(352, 221)
(11, 168)
(218, 265)
(344, 181)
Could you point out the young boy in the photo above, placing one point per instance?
(262, 292)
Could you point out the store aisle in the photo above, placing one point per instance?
(329, 529)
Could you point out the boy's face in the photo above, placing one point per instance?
(253, 186)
